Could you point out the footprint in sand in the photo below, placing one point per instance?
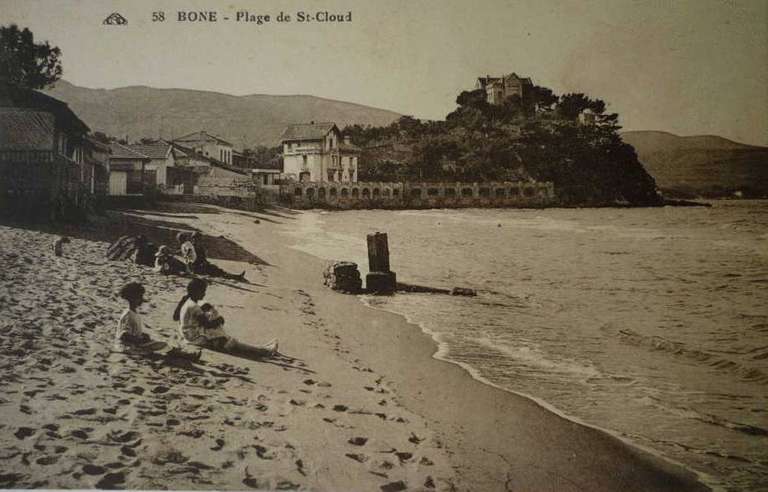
(47, 460)
(94, 470)
(219, 445)
(360, 458)
(394, 486)
(24, 432)
(111, 481)
(358, 441)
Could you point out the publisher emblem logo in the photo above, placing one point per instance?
(115, 19)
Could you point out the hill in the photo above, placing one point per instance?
(246, 121)
(702, 165)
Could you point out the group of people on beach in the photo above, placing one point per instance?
(194, 258)
(200, 325)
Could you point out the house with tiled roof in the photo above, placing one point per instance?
(498, 89)
(208, 145)
(317, 152)
(41, 150)
(126, 170)
(159, 170)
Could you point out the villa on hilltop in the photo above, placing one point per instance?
(497, 89)
(316, 152)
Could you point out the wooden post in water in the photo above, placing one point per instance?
(380, 280)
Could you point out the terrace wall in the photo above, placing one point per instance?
(417, 195)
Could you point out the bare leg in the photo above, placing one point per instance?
(237, 347)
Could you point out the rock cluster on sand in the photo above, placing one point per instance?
(343, 276)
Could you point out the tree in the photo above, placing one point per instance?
(25, 63)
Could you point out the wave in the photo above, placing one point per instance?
(661, 344)
(749, 429)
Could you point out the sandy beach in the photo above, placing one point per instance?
(363, 405)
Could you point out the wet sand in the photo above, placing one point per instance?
(362, 406)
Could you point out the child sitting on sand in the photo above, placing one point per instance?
(167, 264)
(130, 327)
(204, 327)
(58, 245)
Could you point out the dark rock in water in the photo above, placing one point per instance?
(463, 291)
(343, 276)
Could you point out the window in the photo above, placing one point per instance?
(333, 192)
(450, 192)
(485, 192)
(304, 162)
(500, 192)
(321, 193)
(395, 192)
(344, 192)
(529, 192)
(366, 192)
(386, 192)
(297, 191)
(416, 192)
(355, 192)
(310, 192)
(433, 192)
(466, 192)
(376, 192)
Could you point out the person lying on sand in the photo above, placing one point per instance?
(130, 327)
(58, 245)
(204, 328)
(194, 254)
(145, 252)
(167, 264)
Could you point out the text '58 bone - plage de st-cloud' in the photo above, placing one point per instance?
(246, 16)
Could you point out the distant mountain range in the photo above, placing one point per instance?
(246, 121)
(702, 165)
(705, 165)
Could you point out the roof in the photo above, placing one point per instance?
(210, 160)
(153, 150)
(308, 131)
(201, 136)
(186, 151)
(97, 144)
(120, 151)
(16, 97)
(22, 129)
(493, 80)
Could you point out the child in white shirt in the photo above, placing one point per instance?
(130, 328)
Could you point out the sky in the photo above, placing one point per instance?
(686, 67)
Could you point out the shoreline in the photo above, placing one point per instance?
(451, 431)
(430, 347)
(441, 355)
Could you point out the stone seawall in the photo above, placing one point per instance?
(418, 195)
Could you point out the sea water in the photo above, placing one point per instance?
(651, 323)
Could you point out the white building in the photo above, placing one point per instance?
(126, 170)
(315, 152)
(497, 89)
(161, 158)
(208, 145)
